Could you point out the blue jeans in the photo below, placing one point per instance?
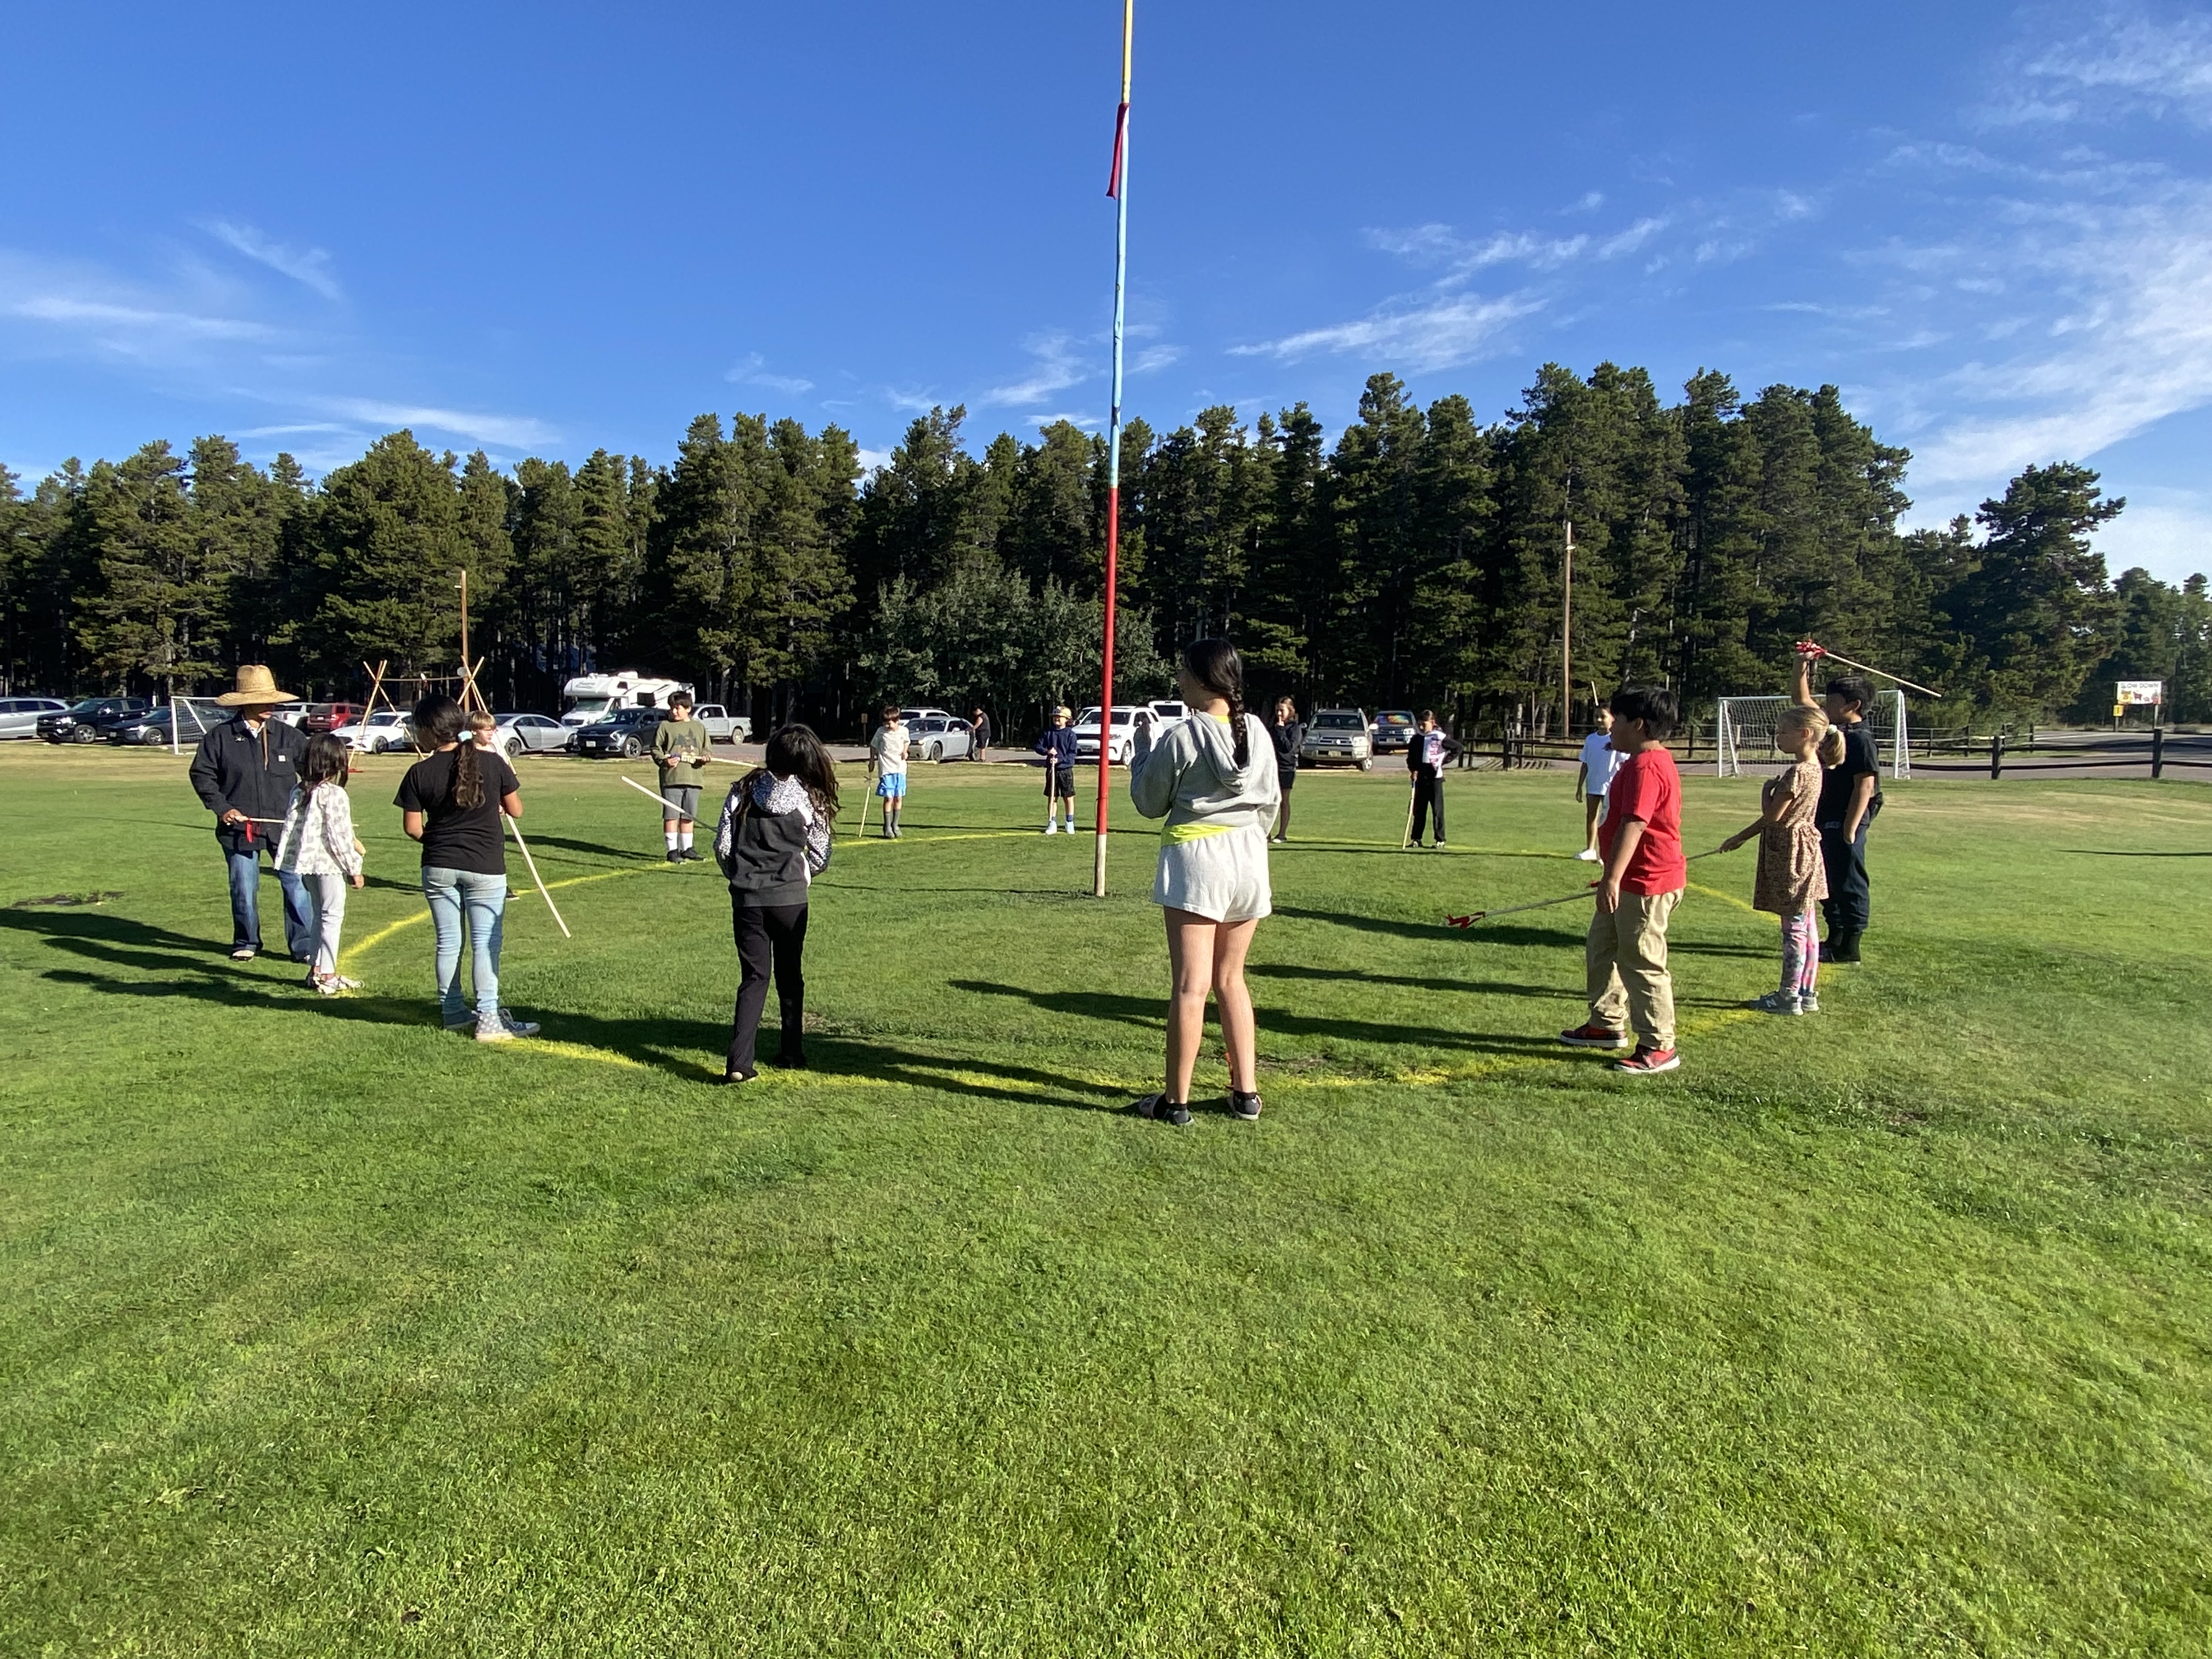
(481, 899)
(245, 906)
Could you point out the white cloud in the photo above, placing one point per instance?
(114, 323)
(1043, 421)
(502, 431)
(2131, 63)
(2123, 340)
(2168, 531)
(310, 267)
(1154, 358)
(1441, 334)
(1056, 367)
(911, 402)
(874, 460)
(751, 370)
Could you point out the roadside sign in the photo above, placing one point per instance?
(2140, 692)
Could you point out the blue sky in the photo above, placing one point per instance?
(546, 229)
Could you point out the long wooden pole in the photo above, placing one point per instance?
(535, 877)
(1117, 186)
(1567, 641)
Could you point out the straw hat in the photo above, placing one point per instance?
(256, 688)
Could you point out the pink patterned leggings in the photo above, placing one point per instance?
(1801, 952)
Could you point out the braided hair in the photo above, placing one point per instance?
(1215, 665)
(439, 721)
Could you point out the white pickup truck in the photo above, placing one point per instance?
(721, 724)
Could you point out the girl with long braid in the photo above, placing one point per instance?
(1213, 778)
(451, 801)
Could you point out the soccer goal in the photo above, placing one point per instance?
(1746, 733)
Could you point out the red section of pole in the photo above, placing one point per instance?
(1106, 697)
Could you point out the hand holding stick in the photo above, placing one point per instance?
(1812, 653)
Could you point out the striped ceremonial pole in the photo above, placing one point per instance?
(1117, 186)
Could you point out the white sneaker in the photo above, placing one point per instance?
(1052, 828)
(1588, 855)
(490, 1028)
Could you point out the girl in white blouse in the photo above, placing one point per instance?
(318, 846)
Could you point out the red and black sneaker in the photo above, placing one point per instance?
(1593, 1035)
(1646, 1059)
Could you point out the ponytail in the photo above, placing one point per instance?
(1832, 748)
(439, 720)
(1215, 665)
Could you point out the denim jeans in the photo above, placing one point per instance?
(245, 906)
(328, 893)
(481, 899)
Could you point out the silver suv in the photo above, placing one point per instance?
(1339, 734)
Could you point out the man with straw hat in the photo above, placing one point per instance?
(244, 770)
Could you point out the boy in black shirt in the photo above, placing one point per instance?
(1851, 795)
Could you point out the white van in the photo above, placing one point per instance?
(592, 697)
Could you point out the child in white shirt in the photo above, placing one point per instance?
(1592, 779)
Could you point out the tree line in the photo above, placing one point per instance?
(1417, 560)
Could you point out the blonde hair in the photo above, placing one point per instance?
(1827, 741)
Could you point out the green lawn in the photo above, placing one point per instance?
(1883, 1331)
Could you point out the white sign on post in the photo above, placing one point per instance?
(2141, 692)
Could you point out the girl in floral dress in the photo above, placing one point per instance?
(1790, 880)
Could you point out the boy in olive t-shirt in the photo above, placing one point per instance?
(679, 750)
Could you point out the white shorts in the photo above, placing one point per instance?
(1222, 877)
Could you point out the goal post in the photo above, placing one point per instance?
(1744, 733)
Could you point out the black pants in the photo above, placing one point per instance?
(1851, 896)
(773, 935)
(1428, 796)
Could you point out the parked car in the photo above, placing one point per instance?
(385, 731)
(329, 717)
(80, 722)
(152, 728)
(19, 716)
(938, 737)
(1393, 731)
(535, 735)
(722, 726)
(627, 735)
(1339, 734)
(1132, 723)
(911, 717)
(1166, 711)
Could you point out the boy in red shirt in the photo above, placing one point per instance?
(1640, 842)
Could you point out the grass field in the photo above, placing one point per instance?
(1884, 1331)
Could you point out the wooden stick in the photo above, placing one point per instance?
(1546, 904)
(1869, 669)
(674, 809)
(535, 877)
(1412, 794)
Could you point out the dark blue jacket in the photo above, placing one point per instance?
(1058, 745)
(254, 772)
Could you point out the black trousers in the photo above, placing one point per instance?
(772, 935)
(1851, 896)
(1428, 796)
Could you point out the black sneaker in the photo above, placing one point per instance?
(693, 855)
(675, 857)
(1161, 1109)
(1246, 1106)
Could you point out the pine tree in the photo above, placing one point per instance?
(388, 545)
(158, 586)
(2037, 602)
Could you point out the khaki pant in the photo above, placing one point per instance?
(1626, 963)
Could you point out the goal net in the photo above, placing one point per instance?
(1745, 736)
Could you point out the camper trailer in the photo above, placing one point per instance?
(592, 697)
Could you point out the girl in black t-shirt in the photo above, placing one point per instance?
(452, 801)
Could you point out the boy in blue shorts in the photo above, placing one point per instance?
(887, 760)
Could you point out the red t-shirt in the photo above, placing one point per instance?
(1647, 786)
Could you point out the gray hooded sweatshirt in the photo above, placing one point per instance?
(1191, 776)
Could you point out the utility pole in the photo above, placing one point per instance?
(1567, 640)
(1117, 187)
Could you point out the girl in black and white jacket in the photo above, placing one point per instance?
(772, 841)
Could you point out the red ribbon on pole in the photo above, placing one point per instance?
(1120, 128)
